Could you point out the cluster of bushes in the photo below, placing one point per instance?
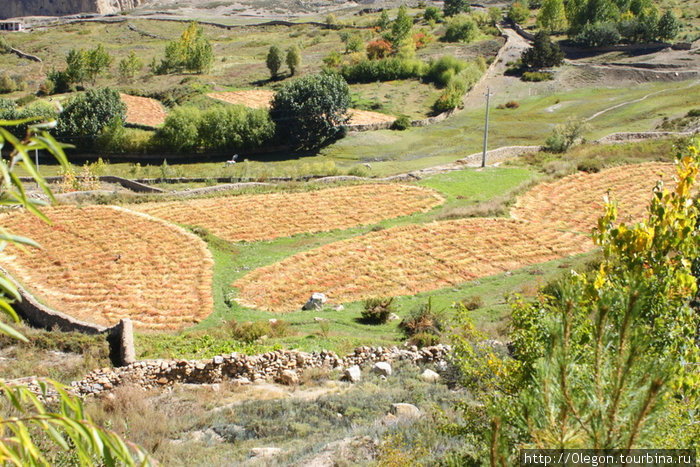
(388, 69)
(39, 109)
(192, 52)
(220, 128)
(11, 83)
(458, 83)
(644, 26)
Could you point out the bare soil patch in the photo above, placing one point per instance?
(143, 111)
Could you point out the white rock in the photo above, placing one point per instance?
(265, 452)
(288, 377)
(218, 360)
(353, 374)
(430, 376)
(405, 410)
(393, 317)
(315, 302)
(382, 368)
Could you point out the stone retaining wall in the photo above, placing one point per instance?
(246, 369)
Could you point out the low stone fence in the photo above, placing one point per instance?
(245, 369)
(119, 336)
(632, 136)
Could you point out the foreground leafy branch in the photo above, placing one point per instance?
(37, 426)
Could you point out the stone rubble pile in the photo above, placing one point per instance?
(277, 365)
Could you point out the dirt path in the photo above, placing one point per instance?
(494, 77)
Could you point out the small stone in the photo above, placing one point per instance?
(218, 360)
(265, 452)
(272, 321)
(393, 317)
(318, 320)
(288, 378)
(338, 307)
(382, 369)
(315, 302)
(215, 387)
(389, 419)
(405, 410)
(353, 374)
(429, 376)
(163, 380)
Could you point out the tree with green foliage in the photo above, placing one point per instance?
(293, 59)
(401, 27)
(543, 54)
(383, 22)
(274, 60)
(669, 26)
(552, 16)
(180, 131)
(233, 128)
(518, 12)
(495, 15)
(97, 61)
(598, 35)
(461, 28)
(129, 66)
(192, 52)
(76, 71)
(33, 433)
(311, 111)
(86, 115)
(455, 7)
(432, 13)
(600, 358)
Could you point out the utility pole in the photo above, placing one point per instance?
(486, 127)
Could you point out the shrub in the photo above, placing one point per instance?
(401, 123)
(472, 303)
(452, 96)
(536, 76)
(590, 165)
(518, 13)
(454, 7)
(461, 28)
(421, 39)
(564, 136)
(388, 69)
(5, 46)
(433, 13)
(234, 128)
(512, 105)
(598, 35)
(293, 59)
(422, 320)
(424, 339)
(251, 331)
(377, 310)
(180, 132)
(442, 71)
(378, 49)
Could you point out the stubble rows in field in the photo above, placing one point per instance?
(260, 99)
(575, 202)
(264, 217)
(555, 221)
(143, 111)
(101, 263)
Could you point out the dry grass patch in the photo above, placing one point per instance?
(575, 202)
(100, 264)
(268, 216)
(263, 99)
(143, 111)
(405, 260)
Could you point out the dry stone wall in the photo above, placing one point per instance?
(245, 369)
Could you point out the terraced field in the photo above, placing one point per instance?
(143, 111)
(555, 221)
(575, 202)
(264, 217)
(100, 264)
(405, 260)
(262, 99)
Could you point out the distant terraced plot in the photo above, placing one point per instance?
(405, 260)
(260, 99)
(555, 221)
(143, 111)
(575, 202)
(268, 216)
(101, 263)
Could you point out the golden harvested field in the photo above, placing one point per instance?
(143, 111)
(103, 263)
(263, 99)
(252, 99)
(405, 260)
(575, 202)
(264, 217)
